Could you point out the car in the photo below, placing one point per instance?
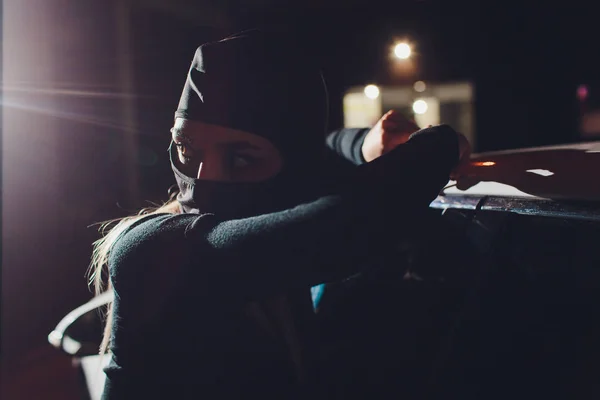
(495, 297)
(528, 326)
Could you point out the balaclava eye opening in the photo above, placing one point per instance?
(266, 85)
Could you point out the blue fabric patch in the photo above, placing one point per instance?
(316, 293)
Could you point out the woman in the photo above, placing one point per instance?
(211, 290)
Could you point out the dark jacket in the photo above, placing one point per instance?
(221, 309)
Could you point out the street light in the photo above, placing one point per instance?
(372, 92)
(402, 50)
(420, 107)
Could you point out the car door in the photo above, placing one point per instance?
(528, 328)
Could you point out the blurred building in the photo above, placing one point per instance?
(426, 103)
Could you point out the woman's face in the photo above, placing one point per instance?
(217, 153)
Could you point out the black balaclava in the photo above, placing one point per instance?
(266, 85)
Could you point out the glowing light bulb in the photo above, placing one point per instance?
(372, 92)
(420, 107)
(402, 51)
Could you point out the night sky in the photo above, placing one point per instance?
(525, 61)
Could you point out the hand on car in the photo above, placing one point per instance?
(392, 130)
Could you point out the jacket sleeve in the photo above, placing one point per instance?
(330, 238)
(347, 143)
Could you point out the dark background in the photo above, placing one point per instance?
(90, 88)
